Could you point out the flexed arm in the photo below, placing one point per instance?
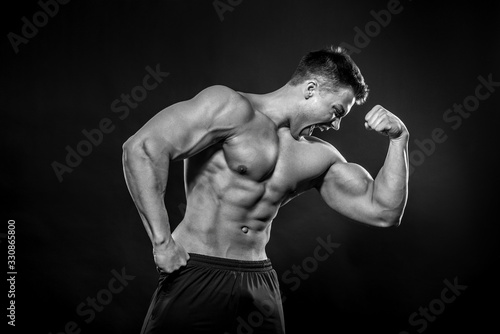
(349, 189)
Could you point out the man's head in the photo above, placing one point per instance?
(333, 68)
(329, 83)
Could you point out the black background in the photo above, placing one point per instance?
(70, 235)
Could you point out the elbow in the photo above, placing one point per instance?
(139, 144)
(145, 149)
(127, 144)
(129, 149)
(388, 214)
(134, 144)
(388, 219)
(134, 149)
(390, 223)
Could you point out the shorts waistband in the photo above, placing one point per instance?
(229, 264)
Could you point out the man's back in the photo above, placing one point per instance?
(235, 187)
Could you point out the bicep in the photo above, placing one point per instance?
(347, 188)
(187, 127)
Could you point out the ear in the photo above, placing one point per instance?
(310, 88)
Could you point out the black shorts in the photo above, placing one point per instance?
(217, 295)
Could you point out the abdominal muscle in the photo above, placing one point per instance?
(227, 215)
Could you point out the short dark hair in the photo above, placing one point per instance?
(333, 67)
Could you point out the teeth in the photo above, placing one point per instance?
(320, 127)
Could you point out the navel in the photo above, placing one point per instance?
(242, 169)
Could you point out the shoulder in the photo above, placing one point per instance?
(323, 149)
(217, 92)
(221, 101)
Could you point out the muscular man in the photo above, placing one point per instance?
(246, 155)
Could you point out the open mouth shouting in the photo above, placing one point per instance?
(308, 130)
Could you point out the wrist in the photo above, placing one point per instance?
(403, 137)
(161, 243)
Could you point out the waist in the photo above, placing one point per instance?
(228, 263)
(222, 239)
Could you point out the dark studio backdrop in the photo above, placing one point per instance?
(82, 256)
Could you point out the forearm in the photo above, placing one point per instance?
(146, 177)
(390, 188)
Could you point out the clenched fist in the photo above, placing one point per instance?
(384, 122)
(170, 257)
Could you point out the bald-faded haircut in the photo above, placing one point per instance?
(332, 67)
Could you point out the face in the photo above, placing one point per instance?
(323, 110)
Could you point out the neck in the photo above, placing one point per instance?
(278, 105)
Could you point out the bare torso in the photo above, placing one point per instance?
(235, 187)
